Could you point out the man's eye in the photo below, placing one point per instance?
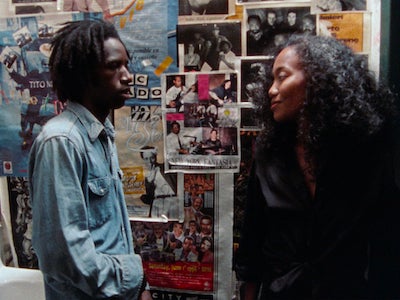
(112, 65)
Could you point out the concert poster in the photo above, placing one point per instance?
(181, 254)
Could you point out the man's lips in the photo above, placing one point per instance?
(127, 92)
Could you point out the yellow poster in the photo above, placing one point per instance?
(347, 27)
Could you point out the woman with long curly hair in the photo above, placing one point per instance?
(322, 216)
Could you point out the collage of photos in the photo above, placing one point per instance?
(190, 122)
(201, 121)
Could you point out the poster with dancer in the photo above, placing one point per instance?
(149, 191)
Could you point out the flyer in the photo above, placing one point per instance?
(201, 122)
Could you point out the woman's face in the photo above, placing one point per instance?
(288, 90)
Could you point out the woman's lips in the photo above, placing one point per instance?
(274, 104)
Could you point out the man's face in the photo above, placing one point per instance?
(192, 227)
(291, 18)
(178, 229)
(111, 80)
(271, 18)
(206, 226)
(178, 81)
(254, 25)
(187, 244)
(149, 158)
(175, 128)
(308, 25)
(158, 231)
(197, 203)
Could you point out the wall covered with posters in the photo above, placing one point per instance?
(186, 137)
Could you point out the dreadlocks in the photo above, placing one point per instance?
(77, 48)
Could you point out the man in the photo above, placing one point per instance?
(189, 252)
(255, 36)
(176, 144)
(194, 212)
(81, 230)
(213, 49)
(175, 93)
(291, 24)
(227, 57)
(160, 187)
(213, 144)
(206, 225)
(308, 25)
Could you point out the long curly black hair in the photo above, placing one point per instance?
(345, 105)
(77, 50)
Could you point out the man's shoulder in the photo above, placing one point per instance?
(59, 124)
(64, 125)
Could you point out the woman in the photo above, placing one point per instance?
(323, 199)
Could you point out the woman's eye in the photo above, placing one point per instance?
(281, 76)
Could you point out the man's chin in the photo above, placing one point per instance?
(119, 104)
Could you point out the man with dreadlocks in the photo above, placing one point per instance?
(81, 230)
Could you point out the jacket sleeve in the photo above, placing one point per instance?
(384, 246)
(249, 260)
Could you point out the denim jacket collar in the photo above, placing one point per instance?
(93, 126)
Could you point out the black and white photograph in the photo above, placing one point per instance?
(253, 71)
(217, 45)
(267, 28)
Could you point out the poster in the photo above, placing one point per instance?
(149, 191)
(26, 96)
(21, 221)
(349, 28)
(150, 36)
(201, 121)
(27, 100)
(181, 254)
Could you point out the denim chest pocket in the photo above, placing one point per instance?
(100, 201)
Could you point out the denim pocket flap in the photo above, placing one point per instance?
(100, 186)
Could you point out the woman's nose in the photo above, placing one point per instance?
(273, 90)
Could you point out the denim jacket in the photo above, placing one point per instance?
(81, 230)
